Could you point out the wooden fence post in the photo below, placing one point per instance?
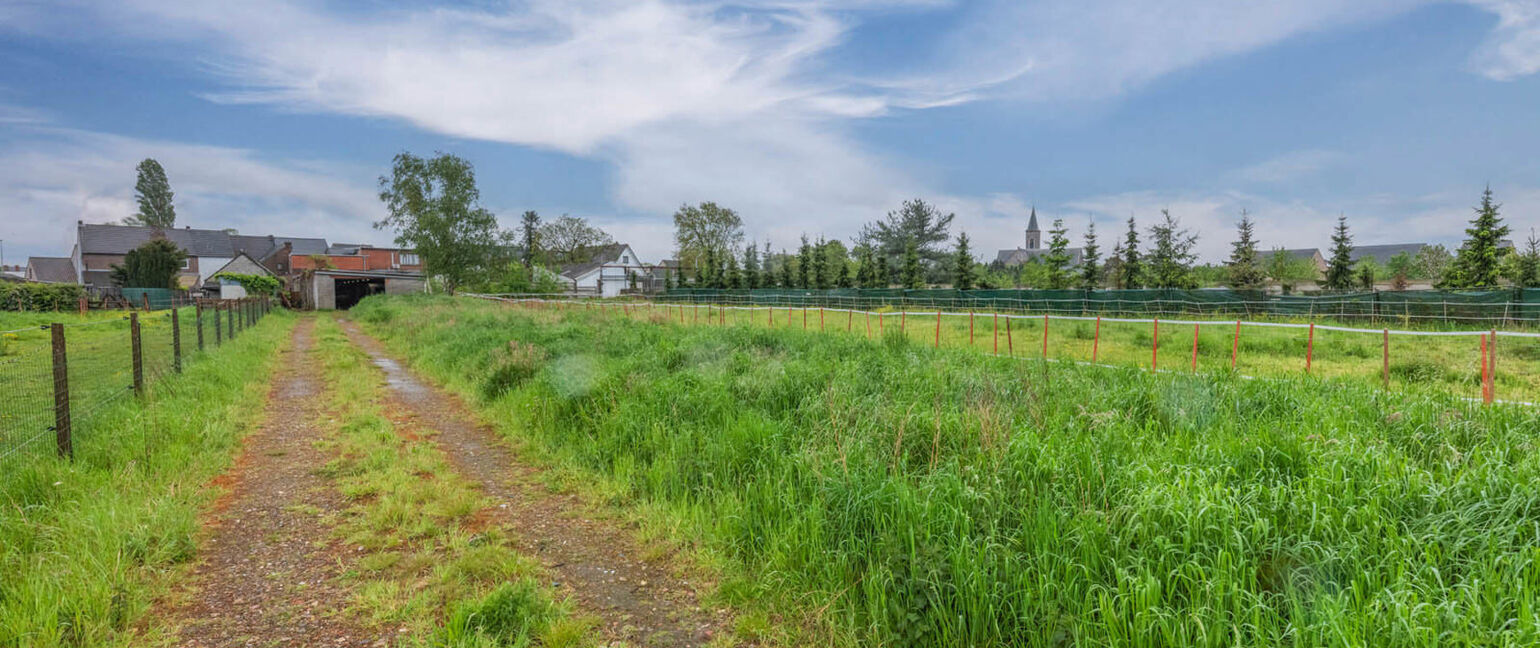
(176, 341)
(1235, 345)
(820, 319)
(138, 353)
(1486, 398)
(1155, 346)
(229, 322)
(61, 394)
(198, 319)
(938, 328)
(1385, 370)
(850, 318)
(1310, 348)
(1045, 336)
(83, 305)
(1492, 366)
(146, 300)
(1010, 348)
(1096, 339)
(219, 327)
(970, 328)
(1195, 328)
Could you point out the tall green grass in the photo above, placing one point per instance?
(86, 546)
(913, 497)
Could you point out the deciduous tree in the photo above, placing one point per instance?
(152, 190)
(434, 207)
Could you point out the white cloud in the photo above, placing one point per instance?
(51, 178)
(1513, 50)
(1289, 166)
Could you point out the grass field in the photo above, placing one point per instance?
(86, 546)
(100, 361)
(1450, 364)
(880, 492)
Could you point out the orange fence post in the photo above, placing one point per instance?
(1485, 398)
(1045, 337)
(938, 328)
(1195, 346)
(868, 324)
(1155, 346)
(788, 317)
(1096, 339)
(970, 328)
(1235, 345)
(1310, 348)
(997, 333)
(1009, 347)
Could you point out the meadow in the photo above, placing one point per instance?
(87, 546)
(883, 492)
(1449, 364)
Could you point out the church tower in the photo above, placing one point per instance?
(1034, 235)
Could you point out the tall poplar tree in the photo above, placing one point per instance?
(153, 192)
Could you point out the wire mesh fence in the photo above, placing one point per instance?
(1447, 356)
(57, 378)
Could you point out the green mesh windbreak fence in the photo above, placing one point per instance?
(1509, 306)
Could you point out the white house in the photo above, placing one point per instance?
(607, 271)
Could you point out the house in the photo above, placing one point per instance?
(17, 272)
(100, 246)
(275, 252)
(346, 273)
(1313, 255)
(50, 270)
(607, 271)
(1034, 248)
(242, 264)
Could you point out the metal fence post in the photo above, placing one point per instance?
(176, 341)
(133, 332)
(61, 394)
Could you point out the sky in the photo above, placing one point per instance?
(805, 116)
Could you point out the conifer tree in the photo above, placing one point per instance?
(963, 274)
(820, 265)
(884, 275)
(1527, 267)
(1245, 267)
(1478, 262)
(1091, 260)
(914, 276)
(1131, 264)
(751, 266)
(1339, 268)
(1171, 256)
(787, 279)
(842, 274)
(734, 278)
(805, 264)
(1056, 262)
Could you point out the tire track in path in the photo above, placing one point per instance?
(638, 602)
(268, 573)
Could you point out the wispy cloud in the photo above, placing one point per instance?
(1290, 166)
(49, 178)
(1513, 50)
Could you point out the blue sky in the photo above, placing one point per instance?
(805, 115)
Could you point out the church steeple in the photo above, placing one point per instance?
(1034, 235)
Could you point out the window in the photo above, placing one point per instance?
(625, 259)
(186, 263)
(408, 258)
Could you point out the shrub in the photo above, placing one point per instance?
(39, 296)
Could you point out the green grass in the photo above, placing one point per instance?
(427, 566)
(98, 349)
(1449, 364)
(880, 492)
(86, 546)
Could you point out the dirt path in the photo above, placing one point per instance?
(268, 574)
(596, 562)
